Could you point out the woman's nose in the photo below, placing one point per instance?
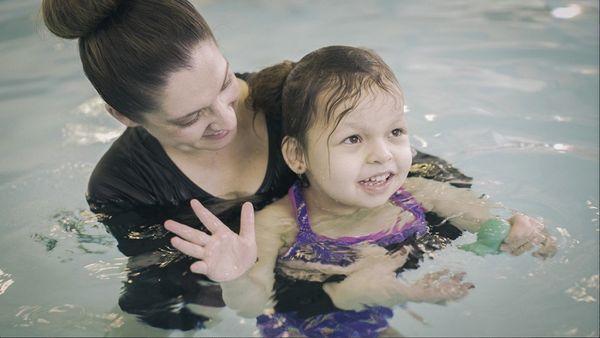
(222, 115)
(379, 153)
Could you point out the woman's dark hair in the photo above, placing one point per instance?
(128, 48)
(314, 87)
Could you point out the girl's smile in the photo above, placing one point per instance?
(378, 183)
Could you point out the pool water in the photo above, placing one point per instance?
(507, 91)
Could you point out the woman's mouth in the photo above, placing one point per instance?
(216, 135)
(377, 183)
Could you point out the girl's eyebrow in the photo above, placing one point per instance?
(183, 118)
(361, 126)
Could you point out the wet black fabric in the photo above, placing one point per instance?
(135, 187)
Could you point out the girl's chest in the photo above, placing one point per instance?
(385, 218)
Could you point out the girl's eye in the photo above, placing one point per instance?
(398, 132)
(352, 139)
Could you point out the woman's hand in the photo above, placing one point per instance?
(223, 255)
(525, 233)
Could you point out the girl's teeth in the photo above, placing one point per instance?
(376, 179)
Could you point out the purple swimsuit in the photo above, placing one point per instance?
(314, 248)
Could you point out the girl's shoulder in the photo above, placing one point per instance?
(277, 217)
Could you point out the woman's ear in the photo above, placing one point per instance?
(293, 154)
(120, 117)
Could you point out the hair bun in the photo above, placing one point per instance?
(72, 19)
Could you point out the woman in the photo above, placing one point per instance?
(191, 133)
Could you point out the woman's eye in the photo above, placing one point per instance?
(191, 122)
(352, 139)
(398, 132)
(227, 83)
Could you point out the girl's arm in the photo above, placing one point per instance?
(464, 208)
(360, 289)
(468, 211)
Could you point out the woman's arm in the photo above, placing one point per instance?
(222, 255)
(252, 293)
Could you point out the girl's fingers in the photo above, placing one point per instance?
(188, 233)
(190, 249)
(548, 247)
(210, 221)
(522, 249)
(247, 221)
(199, 267)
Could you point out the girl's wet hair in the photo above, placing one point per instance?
(128, 48)
(316, 86)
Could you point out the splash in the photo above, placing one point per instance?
(584, 290)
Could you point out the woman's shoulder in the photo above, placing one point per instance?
(119, 177)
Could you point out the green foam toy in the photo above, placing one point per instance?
(489, 238)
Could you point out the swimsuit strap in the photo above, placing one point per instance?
(299, 204)
(406, 201)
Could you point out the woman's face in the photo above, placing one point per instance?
(365, 159)
(198, 104)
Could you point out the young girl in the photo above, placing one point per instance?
(346, 138)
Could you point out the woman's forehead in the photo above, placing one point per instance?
(197, 85)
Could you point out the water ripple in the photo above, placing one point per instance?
(66, 315)
(5, 281)
(108, 270)
(82, 226)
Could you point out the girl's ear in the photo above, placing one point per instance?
(120, 117)
(293, 154)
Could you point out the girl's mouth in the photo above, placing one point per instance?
(376, 183)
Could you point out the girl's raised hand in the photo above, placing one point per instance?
(525, 234)
(223, 255)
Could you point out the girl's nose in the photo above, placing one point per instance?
(380, 153)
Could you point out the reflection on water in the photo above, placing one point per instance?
(108, 270)
(81, 226)
(5, 281)
(567, 12)
(82, 134)
(93, 128)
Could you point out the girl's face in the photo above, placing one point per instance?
(364, 160)
(198, 104)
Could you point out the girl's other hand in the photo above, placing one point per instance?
(439, 287)
(525, 234)
(223, 255)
